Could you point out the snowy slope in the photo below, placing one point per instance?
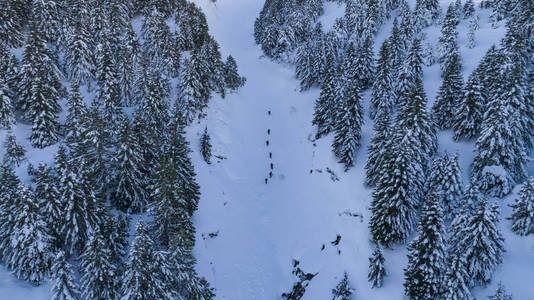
(262, 227)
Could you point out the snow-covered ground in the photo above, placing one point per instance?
(263, 227)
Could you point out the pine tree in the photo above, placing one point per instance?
(108, 92)
(64, 287)
(411, 71)
(305, 68)
(9, 200)
(482, 243)
(469, 112)
(46, 15)
(445, 182)
(343, 290)
(323, 116)
(131, 67)
(380, 143)
(47, 192)
(501, 293)
(7, 110)
(129, 184)
(457, 279)
(473, 26)
(139, 281)
(160, 46)
(77, 116)
(114, 230)
(15, 153)
(396, 49)
(377, 271)
(231, 77)
(79, 57)
(469, 8)
(381, 95)
(194, 90)
(449, 95)
(364, 64)
(30, 242)
(193, 27)
(205, 146)
(426, 255)
(448, 41)
(523, 214)
(10, 28)
(99, 279)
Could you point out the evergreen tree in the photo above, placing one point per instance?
(305, 67)
(129, 184)
(377, 271)
(114, 230)
(80, 58)
(426, 257)
(108, 92)
(469, 112)
(457, 279)
(469, 8)
(194, 89)
(323, 116)
(99, 279)
(523, 214)
(131, 67)
(343, 290)
(7, 110)
(210, 54)
(193, 27)
(10, 28)
(379, 145)
(473, 26)
(205, 146)
(15, 153)
(396, 49)
(231, 77)
(364, 64)
(46, 16)
(160, 46)
(445, 183)
(30, 242)
(77, 116)
(449, 95)
(448, 41)
(381, 95)
(411, 71)
(430, 10)
(8, 202)
(64, 287)
(481, 242)
(47, 192)
(501, 293)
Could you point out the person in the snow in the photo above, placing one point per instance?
(270, 174)
(267, 142)
(311, 171)
(270, 155)
(272, 166)
(268, 131)
(266, 180)
(269, 112)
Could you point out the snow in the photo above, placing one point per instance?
(262, 227)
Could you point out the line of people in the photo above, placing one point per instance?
(270, 153)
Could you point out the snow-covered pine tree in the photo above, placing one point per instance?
(343, 290)
(77, 116)
(30, 256)
(99, 276)
(448, 41)
(211, 55)
(139, 281)
(470, 110)
(131, 61)
(426, 254)
(523, 206)
(15, 153)
(160, 46)
(194, 89)
(382, 94)
(411, 71)
(46, 16)
(232, 78)
(10, 28)
(397, 191)
(79, 200)
(325, 106)
(47, 192)
(8, 201)
(64, 287)
(380, 143)
(205, 146)
(364, 65)
(349, 114)
(457, 279)
(482, 243)
(469, 9)
(114, 230)
(7, 110)
(108, 92)
(501, 293)
(80, 58)
(377, 270)
(430, 10)
(449, 96)
(396, 50)
(473, 26)
(305, 69)
(128, 181)
(193, 27)
(500, 150)
(445, 183)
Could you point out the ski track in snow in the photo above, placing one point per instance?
(262, 227)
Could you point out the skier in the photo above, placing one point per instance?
(266, 180)
(268, 131)
(269, 112)
(270, 155)
(272, 166)
(267, 142)
(270, 174)
(311, 171)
